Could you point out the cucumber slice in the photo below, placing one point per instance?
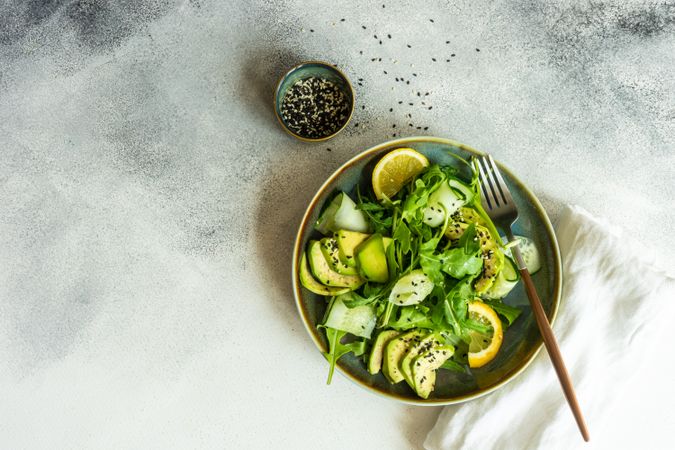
(443, 202)
(463, 188)
(411, 289)
(509, 270)
(359, 320)
(342, 214)
(531, 255)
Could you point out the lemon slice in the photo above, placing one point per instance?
(395, 169)
(484, 347)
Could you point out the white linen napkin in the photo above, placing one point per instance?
(613, 329)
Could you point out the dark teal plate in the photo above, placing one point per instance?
(521, 340)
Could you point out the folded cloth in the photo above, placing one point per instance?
(613, 328)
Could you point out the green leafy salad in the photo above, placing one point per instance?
(413, 281)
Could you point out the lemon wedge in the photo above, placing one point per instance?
(484, 347)
(395, 169)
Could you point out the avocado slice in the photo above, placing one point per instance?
(372, 260)
(330, 251)
(493, 260)
(347, 241)
(375, 359)
(323, 272)
(313, 285)
(430, 341)
(395, 350)
(424, 368)
(493, 257)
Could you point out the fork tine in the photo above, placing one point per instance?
(501, 184)
(487, 195)
(489, 180)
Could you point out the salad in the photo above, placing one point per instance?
(413, 272)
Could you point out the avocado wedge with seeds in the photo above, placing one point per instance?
(424, 368)
(347, 241)
(394, 352)
(377, 352)
(323, 272)
(330, 251)
(308, 281)
(430, 341)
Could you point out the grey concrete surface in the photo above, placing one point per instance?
(149, 199)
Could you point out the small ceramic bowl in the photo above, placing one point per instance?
(522, 339)
(316, 69)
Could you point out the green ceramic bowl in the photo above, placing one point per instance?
(522, 340)
(318, 69)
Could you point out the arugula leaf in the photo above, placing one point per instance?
(352, 300)
(379, 216)
(411, 317)
(455, 367)
(456, 263)
(336, 349)
(402, 237)
(510, 313)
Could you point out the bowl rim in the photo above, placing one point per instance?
(297, 252)
(331, 67)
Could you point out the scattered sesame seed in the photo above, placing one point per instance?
(363, 26)
(385, 72)
(328, 149)
(477, 49)
(391, 109)
(452, 56)
(342, 20)
(408, 45)
(433, 59)
(431, 20)
(311, 31)
(389, 36)
(407, 82)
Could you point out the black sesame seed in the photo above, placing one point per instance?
(408, 45)
(363, 106)
(360, 52)
(431, 20)
(363, 26)
(447, 42)
(393, 126)
(414, 74)
(385, 72)
(311, 31)
(453, 55)
(477, 49)
(375, 36)
(407, 82)
(389, 36)
(426, 128)
(328, 149)
(400, 102)
(433, 59)
(342, 20)
(391, 109)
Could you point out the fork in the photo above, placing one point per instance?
(498, 202)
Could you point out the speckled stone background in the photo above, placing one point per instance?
(149, 199)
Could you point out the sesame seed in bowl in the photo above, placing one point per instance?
(314, 101)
